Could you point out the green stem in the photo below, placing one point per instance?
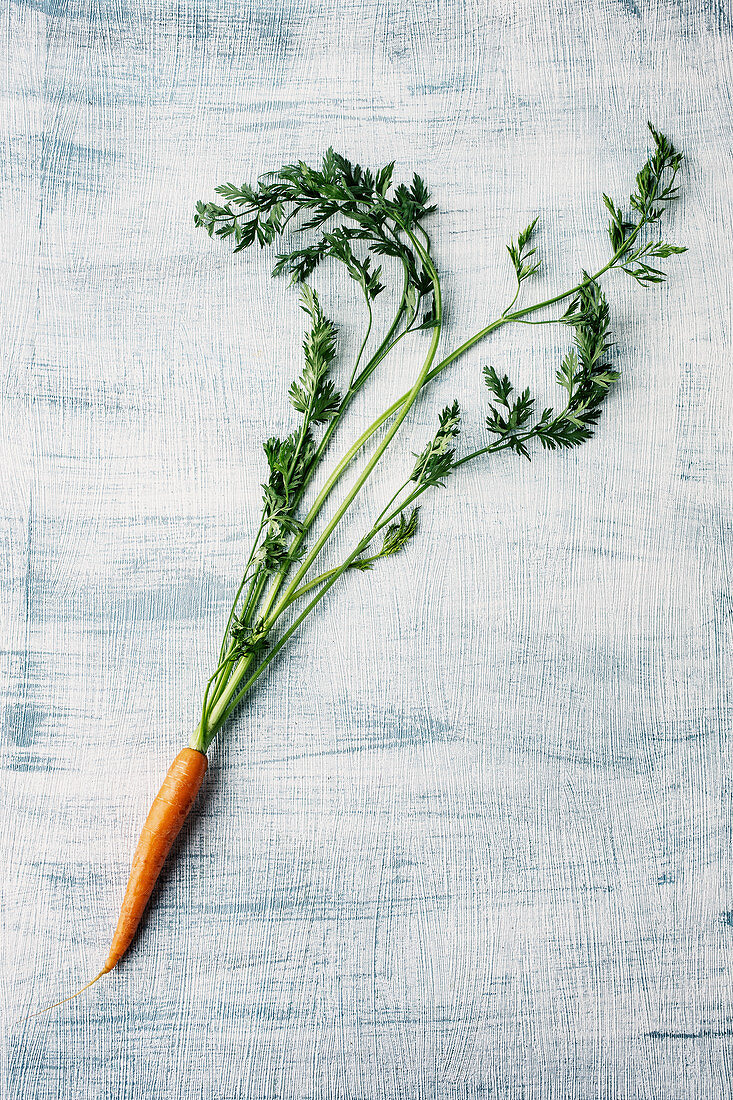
(516, 295)
(259, 580)
(366, 336)
(355, 385)
(328, 580)
(229, 701)
(239, 590)
(384, 348)
(214, 676)
(409, 400)
(353, 389)
(379, 524)
(490, 449)
(220, 708)
(320, 579)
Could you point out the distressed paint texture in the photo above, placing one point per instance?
(472, 838)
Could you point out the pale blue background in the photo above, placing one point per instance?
(472, 838)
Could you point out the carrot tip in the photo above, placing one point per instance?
(70, 998)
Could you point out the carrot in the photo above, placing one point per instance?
(277, 576)
(169, 810)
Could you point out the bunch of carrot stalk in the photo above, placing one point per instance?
(344, 212)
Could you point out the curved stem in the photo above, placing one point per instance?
(516, 295)
(382, 521)
(230, 701)
(366, 336)
(489, 449)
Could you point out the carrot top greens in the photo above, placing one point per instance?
(354, 216)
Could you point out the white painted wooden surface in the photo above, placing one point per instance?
(472, 838)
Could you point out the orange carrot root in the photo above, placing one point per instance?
(168, 812)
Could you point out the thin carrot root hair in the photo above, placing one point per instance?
(69, 998)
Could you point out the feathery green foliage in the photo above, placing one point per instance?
(521, 255)
(655, 188)
(583, 374)
(435, 462)
(396, 538)
(353, 216)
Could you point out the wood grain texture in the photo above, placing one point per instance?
(472, 838)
